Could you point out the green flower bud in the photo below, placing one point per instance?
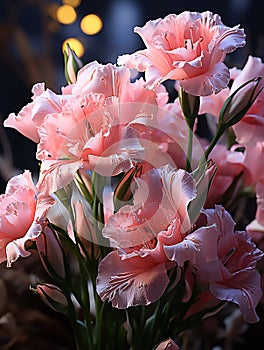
(72, 64)
(237, 104)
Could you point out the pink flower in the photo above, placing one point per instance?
(189, 47)
(96, 127)
(150, 238)
(232, 274)
(22, 214)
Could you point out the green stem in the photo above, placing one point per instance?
(219, 132)
(189, 150)
(79, 329)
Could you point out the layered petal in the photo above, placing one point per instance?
(130, 282)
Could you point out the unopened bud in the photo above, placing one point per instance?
(72, 64)
(123, 192)
(190, 106)
(237, 104)
(52, 296)
(51, 253)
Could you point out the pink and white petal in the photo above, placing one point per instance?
(130, 282)
(56, 174)
(131, 226)
(200, 248)
(23, 123)
(111, 165)
(43, 204)
(19, 181)
(47, 103)
(212, 81)
(179, 189)
(139, 60)
(245, 291)
(222, 219)
(231, 39)
(16, 248)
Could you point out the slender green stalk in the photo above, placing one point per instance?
(188, 166)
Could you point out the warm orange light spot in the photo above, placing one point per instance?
(66, 14)
(91, 24)
(73, 3)
(75, 45)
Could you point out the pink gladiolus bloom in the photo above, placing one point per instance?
(96, 127)
(232, 274)
(22, 214)
(136, 272)
(189, 47)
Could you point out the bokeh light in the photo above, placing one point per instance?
(75, 45)
(66, 14)
(73, 3)
(91, 24)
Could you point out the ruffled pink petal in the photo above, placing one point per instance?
(56, 174)
(23, 123)
(16, 248)
(97, 78)
(179, 189)
(18, 181)
(130, 282)
(200, 248)
(244, 290)
(212, 81)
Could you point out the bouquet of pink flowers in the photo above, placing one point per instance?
(134, 214)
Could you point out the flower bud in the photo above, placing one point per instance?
(72, 65)
(190, 106)
(52, 296)
(237, 104)
(51, 252)
(123, 192)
